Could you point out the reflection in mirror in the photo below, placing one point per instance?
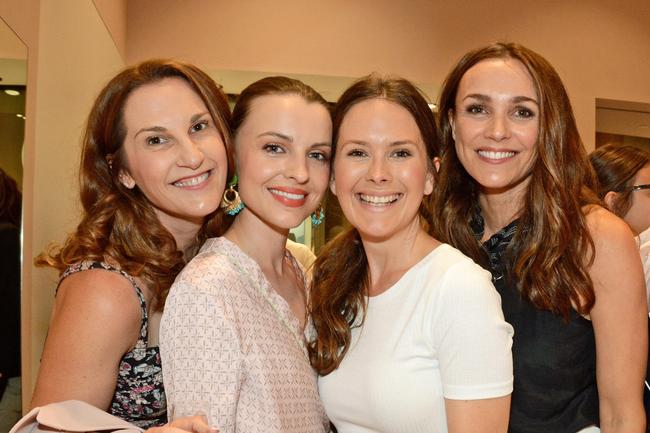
(13, 55)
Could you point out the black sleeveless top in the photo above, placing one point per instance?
(139, 393)
(554, 361)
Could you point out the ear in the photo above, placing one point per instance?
(429, 182)
(610, 200)
(126, 179)
(450, 116)
(332, 185)
(436, 163)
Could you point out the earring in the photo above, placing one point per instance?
(318, 216)
(125, 180)
(231, 203)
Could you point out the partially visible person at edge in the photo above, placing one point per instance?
(410, 336)
(517, 195)
(10, 217)
(624, 186)
(232, 333)
(153, 168)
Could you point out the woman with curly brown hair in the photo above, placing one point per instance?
(410, 336)
(153, 169)
(516, 195)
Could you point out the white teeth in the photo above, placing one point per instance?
(380, 200)
(495, 155)
(192, 181)
(288, 194)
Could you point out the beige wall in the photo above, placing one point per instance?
(71, 55)
(600, 48)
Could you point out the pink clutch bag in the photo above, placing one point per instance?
(71, 416)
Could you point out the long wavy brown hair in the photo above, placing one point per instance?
(338, 298)
(616, 167)
(119, 224)
(552, 248)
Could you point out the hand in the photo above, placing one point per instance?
(192, 424)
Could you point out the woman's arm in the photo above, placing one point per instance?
(620, 320)
(474, 353)
(472, 416)
(96, 319)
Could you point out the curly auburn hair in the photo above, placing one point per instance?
(552, 247)
(616, 167)
(340, 281)
(118, 223)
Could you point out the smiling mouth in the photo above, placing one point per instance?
(490, 154)
(289, 195)
(378, 200)
(192, 181)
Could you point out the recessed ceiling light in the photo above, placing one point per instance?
(11, 92)
(20, 115)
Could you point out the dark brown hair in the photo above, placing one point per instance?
(616, 167)
(277, 85)
(10, 200)
(120, 223)
(340, 283)
(552, 247)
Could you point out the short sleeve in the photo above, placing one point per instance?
(199, 345)
(471, 337)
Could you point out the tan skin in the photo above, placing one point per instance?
(497, 112)
(170, 142)
(381, 153)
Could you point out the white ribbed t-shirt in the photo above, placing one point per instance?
(437, 333)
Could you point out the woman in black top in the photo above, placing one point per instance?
(516, 194)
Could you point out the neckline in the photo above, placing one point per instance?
(395, 289)
(276, 301)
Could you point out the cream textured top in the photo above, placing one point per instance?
(230, 342)
(437, 333)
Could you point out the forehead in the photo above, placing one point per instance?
(508, 77)
(378, 118)
(161, 100)
(289, 111)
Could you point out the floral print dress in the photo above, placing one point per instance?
(139, 393)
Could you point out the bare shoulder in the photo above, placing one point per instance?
(616, 259)
(102, 300)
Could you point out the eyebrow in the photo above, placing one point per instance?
(277, 135)
(193, 119)
(486, 98)
(392, 144)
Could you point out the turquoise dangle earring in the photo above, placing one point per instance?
(230, 202)
(318, 216)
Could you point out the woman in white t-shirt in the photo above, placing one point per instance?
(409, 333)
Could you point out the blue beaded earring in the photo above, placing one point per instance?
(230, 202)
(318, 216)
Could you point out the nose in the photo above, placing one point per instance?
(191, 154)
(297, 169)
(498, 128)
(378, 171)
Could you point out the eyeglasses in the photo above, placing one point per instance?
(639, 187)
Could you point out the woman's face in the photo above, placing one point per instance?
(381, 169)
(174, 152)
(496, 124)
(283, 150)
(638, 216)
